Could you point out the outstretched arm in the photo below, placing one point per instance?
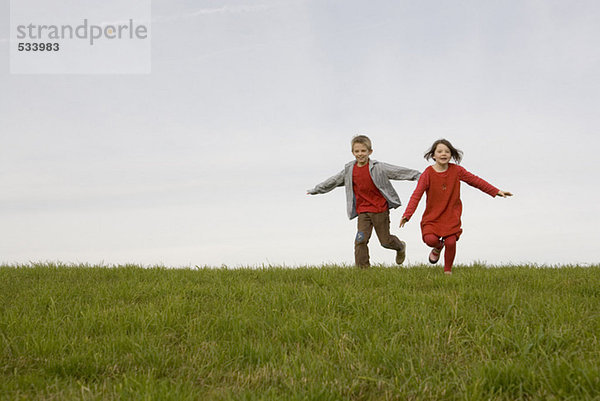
(400, 173)
(477, 182)
(415, 198)
(482, 184)
(328, 185)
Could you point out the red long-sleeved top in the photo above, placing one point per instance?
(368, 197)
(443, 207)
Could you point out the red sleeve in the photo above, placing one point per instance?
(477, 182)
(417, 194)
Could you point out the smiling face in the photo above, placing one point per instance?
(442, 155)
(362, 153)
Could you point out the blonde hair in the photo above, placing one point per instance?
(363, 139)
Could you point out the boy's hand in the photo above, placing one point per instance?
(403, 221)
(504, 194)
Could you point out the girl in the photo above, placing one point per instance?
(440, 224)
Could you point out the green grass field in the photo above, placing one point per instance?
(315, 333)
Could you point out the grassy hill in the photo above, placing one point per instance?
(314, 333)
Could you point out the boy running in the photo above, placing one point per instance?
(369, 195)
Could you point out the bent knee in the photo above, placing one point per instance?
(432, 240)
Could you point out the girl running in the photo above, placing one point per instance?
(440, 225)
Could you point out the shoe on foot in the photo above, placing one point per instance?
(401, 254)
(434, 255)
(449, 272)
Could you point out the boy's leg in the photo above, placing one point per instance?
(381, 222)
(363, 233)
(450, 253)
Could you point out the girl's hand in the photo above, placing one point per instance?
(504, 194)
(403, 221)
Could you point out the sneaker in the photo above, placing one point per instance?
(434, 255)
(448, 272)
(401, 254)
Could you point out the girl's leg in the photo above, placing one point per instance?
(433, 241)
(450, 253)
(437, 244)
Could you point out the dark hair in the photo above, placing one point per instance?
(456, 154)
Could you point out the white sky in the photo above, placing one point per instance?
(206, 160)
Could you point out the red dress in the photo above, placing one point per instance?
(443, 207)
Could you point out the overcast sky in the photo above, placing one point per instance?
(206, 160)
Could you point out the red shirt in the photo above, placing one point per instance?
(443, 207)
(368, 197)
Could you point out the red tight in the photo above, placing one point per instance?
(449, 242)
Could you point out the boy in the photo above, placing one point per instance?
(369, 195)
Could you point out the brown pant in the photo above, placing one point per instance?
(366, 222)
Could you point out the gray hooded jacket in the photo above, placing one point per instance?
(381, 173)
